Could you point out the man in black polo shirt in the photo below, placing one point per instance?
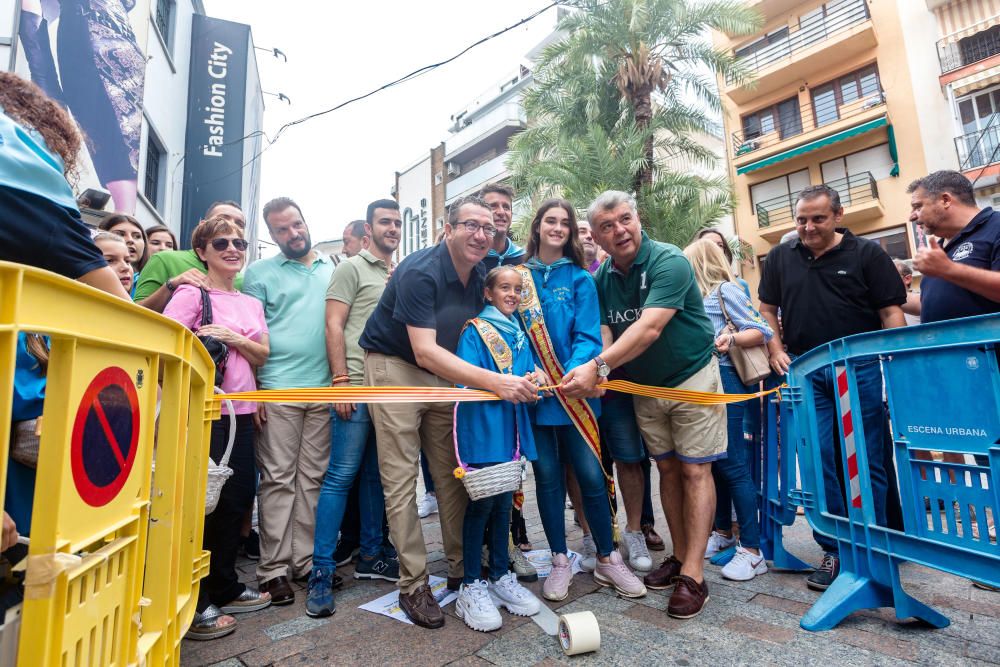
(410, 340)
(962, 277)
(829, 284)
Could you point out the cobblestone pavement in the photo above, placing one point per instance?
(754, 622)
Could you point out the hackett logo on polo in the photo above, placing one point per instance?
(627, 315)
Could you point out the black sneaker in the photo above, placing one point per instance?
(345, 553)
(828, 570)
(380, 567)
(251, 545)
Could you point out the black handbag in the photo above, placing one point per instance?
(218, 350)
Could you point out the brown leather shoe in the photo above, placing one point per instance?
(688, 599)
(280, 590)
(421, 607)
(663, 576)
(653, 541)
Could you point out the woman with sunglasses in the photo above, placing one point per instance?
(238, 322)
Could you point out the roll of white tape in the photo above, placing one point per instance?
(579, 633)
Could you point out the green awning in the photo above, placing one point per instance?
(814, 145)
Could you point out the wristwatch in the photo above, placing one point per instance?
(171, 285)
(603, 370)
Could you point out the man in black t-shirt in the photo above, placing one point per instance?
(410, 340)
(829, 284)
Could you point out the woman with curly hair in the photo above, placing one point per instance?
(41, 144)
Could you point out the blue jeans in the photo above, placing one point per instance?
(494, 511)
(550, 486)
(733, 485)
(869, 383)
(352, 452)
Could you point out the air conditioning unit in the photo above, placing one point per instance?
(454, 169)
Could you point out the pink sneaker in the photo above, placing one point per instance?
(556, 586)
(616, 573)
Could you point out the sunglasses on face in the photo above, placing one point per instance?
(221, 244)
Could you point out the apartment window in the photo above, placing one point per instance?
(155, 158)
(846, 95)
(783, 117)
(875, 160)
(893, 241)
(775, 37)
(779, 190)
(163, 16)
(980, 46)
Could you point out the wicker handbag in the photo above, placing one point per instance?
(24, 442)
(219, 473)
(751, 363)
(491, 481)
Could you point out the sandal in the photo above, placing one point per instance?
(208, 625)
(249, 600)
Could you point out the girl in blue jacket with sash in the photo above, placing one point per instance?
(559, 312)
(488, 433)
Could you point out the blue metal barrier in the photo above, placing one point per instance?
(942, 383)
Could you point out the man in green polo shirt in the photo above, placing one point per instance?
(294, 447)
(166, 270)
(654, 324)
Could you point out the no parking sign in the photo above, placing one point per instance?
(105, 436)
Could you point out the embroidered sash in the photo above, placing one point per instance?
(579, 411)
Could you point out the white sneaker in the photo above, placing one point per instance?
(744, 566)
(588, 560)
(638, 554)
(507, 592)
(718, 542)
(476, 608)
(427, 505)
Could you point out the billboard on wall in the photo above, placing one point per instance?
(89, 55)
(217, 151)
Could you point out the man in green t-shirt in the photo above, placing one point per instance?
(167, 270)
(654, 325)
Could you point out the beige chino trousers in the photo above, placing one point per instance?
(404, 430)
(293, 453)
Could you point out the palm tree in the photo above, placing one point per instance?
(627, 88)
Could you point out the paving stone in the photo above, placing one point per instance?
(271, 653)
(296, 626)
(871, 641)
(760, 630)
(230, 662)
(964, 604)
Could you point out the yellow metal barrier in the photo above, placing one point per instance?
(115, 556)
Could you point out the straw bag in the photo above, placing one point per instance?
(24, 442)
(218, 474)
(491, 481)
(752, 364)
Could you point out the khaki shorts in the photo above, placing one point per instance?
(692, 433)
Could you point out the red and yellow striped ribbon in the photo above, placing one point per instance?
(453, 394)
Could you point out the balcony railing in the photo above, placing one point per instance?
(954, 54)
(841, 18)
(491, 170)
(980, 148)
(810, 116)
(854, 189)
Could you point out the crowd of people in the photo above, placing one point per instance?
(542, 327)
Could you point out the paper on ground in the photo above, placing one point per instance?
(542, 560)
(388, 604)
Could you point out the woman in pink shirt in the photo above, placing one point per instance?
(237, 321)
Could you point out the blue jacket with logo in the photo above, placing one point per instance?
(568, 296)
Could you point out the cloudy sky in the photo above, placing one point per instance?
(334, 165)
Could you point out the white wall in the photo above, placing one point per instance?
(415, 185)
(938, 128)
